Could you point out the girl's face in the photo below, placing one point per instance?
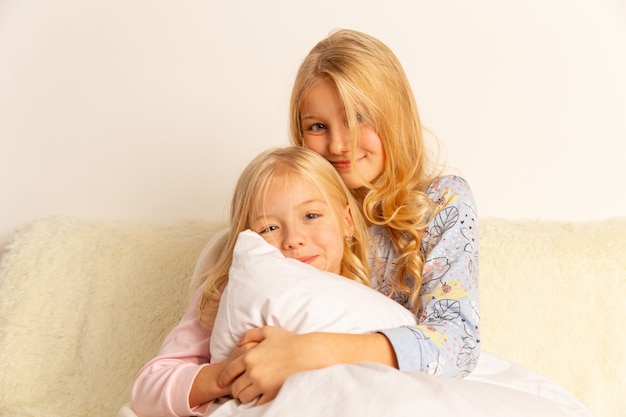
(326, 132)
(297, 220)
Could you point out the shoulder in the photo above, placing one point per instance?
(454, 219)
(451, 191)
(447, 184)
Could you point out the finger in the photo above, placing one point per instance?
(262, 400)
(248, 394)
(265, 398)
(233, 370)
(238, 386)
(243, 390)
(254, 335)
(246, 346)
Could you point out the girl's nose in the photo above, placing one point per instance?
(339, 141)
(293, 238)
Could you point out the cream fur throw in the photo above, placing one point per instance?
(84, 304)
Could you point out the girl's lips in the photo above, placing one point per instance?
(344, 163)
(307, 259)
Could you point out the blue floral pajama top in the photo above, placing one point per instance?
(446, 340)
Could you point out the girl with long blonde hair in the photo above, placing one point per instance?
(352, 103)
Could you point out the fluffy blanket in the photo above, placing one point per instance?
(84, 304)
(553, 299)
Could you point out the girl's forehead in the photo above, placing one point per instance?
(291, 180)
(292, 188)
(285, 195)
(322, 92)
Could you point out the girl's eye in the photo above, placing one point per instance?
(359, 117)
(267, 229)
(317, 127)
(311, 216)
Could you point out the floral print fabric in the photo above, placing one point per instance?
(447, 340)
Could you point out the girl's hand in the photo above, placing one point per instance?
(205, 386)
(260, 372)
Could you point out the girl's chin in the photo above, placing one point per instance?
(351, 182)
(354, 182)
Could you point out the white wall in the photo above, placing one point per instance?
(149, 109)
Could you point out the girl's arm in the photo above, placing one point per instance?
(179, 381)
(447, 339)
(280, 353)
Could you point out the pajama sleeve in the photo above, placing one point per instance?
(446, 340)
(162, 386)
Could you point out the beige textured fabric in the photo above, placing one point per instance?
(84, 304)
(553, 299)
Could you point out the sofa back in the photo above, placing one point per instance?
(84, 304)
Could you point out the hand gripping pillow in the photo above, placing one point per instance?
(265, 288)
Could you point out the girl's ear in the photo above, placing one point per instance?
(348, 226)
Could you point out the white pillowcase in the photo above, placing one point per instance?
(265, 288)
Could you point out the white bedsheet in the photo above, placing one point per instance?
(496, 388)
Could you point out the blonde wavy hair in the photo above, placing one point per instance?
(375, 92)
(249, 195)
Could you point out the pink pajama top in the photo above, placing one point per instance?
(162, 386)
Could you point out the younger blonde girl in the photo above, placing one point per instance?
(297, 202)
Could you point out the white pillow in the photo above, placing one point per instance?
(265, 288)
